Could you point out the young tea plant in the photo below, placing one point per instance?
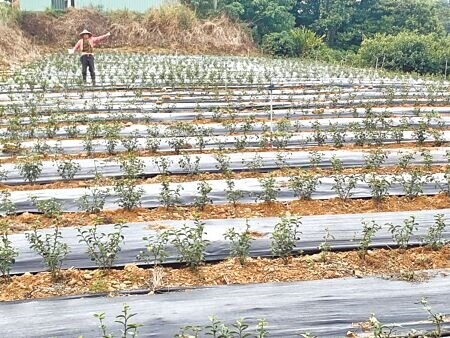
(102, 248)
(190, 243)
(434, 237)
(30, 168)
(375, 159)
(380, 330)
(315, 158)
(401, 234)
(325, 246)
(202, 199)
(404, 160)
(379, 186)
(129, 193)
(233, 194)
(8, 253)
(128, 329)
(270, 190)
(169, 197)
(343, 185)
(189, 165)
(303, 184)
(155, 249)
(370, 228)
(131, 166)
(7, 207)
(413, 183)
(437, 319)
(51, 248)
(67, 169)
(93, 201)
(285, 235)
(156, 254)
(50, 208)
(239, 243)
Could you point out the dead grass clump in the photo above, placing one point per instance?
(14, 46)
(172, 28)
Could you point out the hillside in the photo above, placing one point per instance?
(173, 29)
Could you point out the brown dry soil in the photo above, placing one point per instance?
(28, 221)
(392, 264)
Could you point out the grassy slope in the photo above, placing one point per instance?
(169, 29)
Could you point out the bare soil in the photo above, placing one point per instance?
(393, 264)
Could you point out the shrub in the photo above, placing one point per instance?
(190, 243)
(50, 208)
(129, 194)
(94, 201)
(50, 248)
(368, 232)
(102, 248)
(240, 243)
(8, 254)
(30, 168)
(281, 44)
(434, 237)
(296, 42)
(68, 169)
(306, 42)
(285, 236)
(406, 51)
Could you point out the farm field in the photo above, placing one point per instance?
(282, 197)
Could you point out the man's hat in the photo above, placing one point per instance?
(85, 32)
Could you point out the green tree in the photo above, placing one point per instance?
(346, 23)
(263, 16)
(406, 51)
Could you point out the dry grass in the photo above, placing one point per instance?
(14, 46)
(170, 28)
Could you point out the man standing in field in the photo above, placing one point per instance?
(86, 45)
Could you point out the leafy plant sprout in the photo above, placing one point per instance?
(190, 243)
(370, 228)
(239, 243)
(434, 237)
(51, 248)
(128, 329)
(402, 233)
(102, 247)
(436, 318)
(8, 253)
(285, 237)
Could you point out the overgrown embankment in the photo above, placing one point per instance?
(168, 29)
(14, 46)
(171, 28)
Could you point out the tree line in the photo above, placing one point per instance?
(407, 35)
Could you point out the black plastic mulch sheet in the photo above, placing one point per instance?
(325, 308)
(346, 230)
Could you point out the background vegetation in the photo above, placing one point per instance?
(407, 35)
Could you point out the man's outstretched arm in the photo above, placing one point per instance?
(100, 38)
